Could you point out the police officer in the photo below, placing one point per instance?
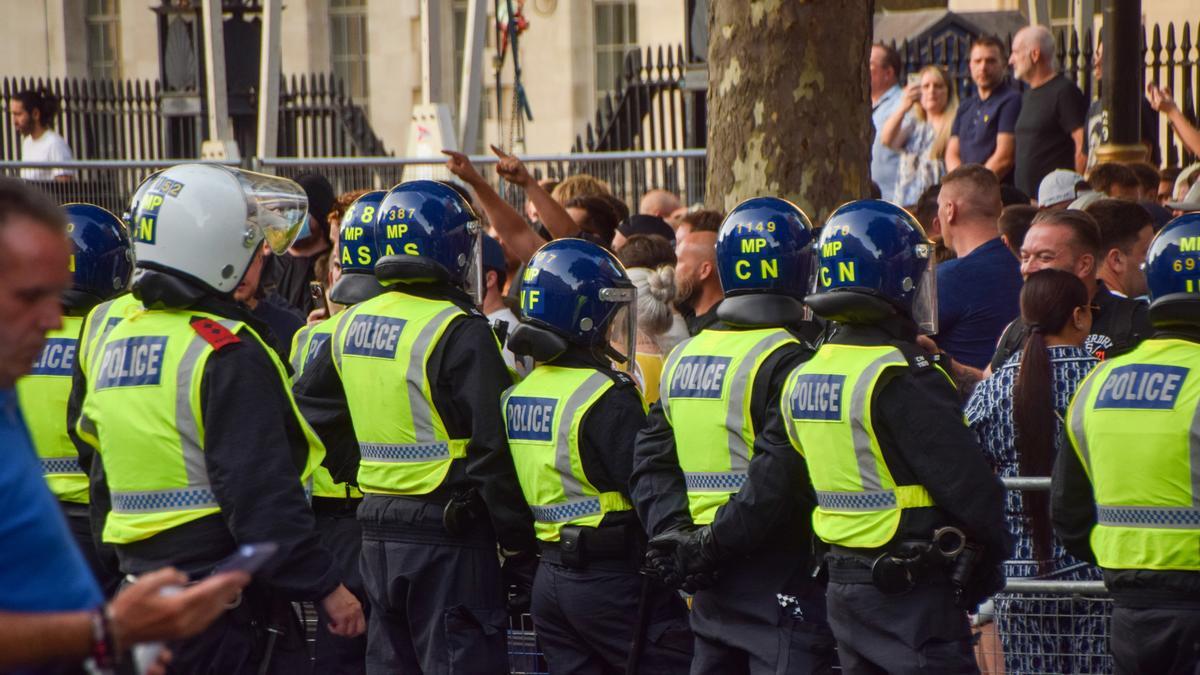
(417, 374)
(912, 513)
(765, 613)
(335, 503)
(194, 443)
(571, 426)
(101, 266)
(1125, 496)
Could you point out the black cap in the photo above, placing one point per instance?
(644, 224)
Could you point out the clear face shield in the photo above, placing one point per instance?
(475, 283)
(622, 330)
(924, 306)
(276, 208)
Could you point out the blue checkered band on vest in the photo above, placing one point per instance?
(714, 481)
(164, 500)
(408, 452)
(857, 501)
(1182, 517)
(569, 511)
(61, 465)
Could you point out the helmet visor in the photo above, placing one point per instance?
(924, 305)
(622, 330)
(473, 277)
(276, 208)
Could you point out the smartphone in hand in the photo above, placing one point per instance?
(249, 558)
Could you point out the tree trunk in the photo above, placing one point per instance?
(789, 110)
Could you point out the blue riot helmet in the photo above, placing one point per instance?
(101, 256)
(357, 252)
(874, 261)
(1173, 272)
(765, 262)
(428, 232)
(575, 292)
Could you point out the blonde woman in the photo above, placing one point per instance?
(919, 130)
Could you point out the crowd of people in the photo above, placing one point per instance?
(423, 411)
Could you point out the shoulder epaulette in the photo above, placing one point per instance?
(214, 333)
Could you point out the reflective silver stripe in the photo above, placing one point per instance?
(1078, 408)
(86, 425)
(99, 317)
(185, 421)
(664, 385)
(572, 488)
(739, 452)
(61, 465)
(708, 481)
(339, 332)
(874, 500)
(1156, 517)
(422, 414)
(154, 501)
(557, 513)
(868, 471)
(298, 353)
(404, 452)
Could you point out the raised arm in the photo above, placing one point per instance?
(509, 224)
(554, 216)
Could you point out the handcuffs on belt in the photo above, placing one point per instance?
(899, 571)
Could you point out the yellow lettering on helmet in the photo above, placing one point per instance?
(1189, 244)
(830, 248)
(145, 228)
(389, 250)
(739, 268)
(753, 245)
(825, 278)
(411, 249)
(71, 265)
(530, 297)
(846, 271)
(364, 255)
(770, 268)
(396, 231)
(346, 259)
(152, 201)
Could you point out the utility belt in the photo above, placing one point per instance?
(335, 506)
(428, 518)
(946, 557)
(579, 547)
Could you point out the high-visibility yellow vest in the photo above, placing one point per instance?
(1135, 425)
(826, 406)
(143, 414)
(543, 417)
(381, 350)
(305, 344)
(99, 321)
(706, 392)
(43, 395)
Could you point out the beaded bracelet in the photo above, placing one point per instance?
(103, 648)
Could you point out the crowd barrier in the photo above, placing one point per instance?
(110, 183)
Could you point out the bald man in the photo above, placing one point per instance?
(658, 203)
(699, 287)
(1049, 130)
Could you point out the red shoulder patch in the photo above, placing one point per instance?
(214, 333)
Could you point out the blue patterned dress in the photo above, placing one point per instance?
(1039, 633)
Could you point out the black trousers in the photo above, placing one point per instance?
(237, 643)
(921, 631)
(340, 533)
(743, 626)
(586, 618)
(101, 560)
(1155, 640)
(437, 600)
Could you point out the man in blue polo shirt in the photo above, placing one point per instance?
(885, 96)
(979, 292)
(983, 129)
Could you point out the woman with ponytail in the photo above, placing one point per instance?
(1017, 414)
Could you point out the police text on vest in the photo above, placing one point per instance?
(1142, 386)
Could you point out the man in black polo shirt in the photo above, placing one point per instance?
(983, 129)
(1069, 240)
(1049, 130)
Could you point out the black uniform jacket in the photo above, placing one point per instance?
(254, 450)
(467, 377)
(918, 420)
(776, 493)
(1073, 511)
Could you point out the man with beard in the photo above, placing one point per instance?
(696, 278)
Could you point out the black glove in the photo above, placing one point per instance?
(518, 571)
(692, 551)
(983, 584)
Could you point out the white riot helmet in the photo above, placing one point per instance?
(205, 221)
